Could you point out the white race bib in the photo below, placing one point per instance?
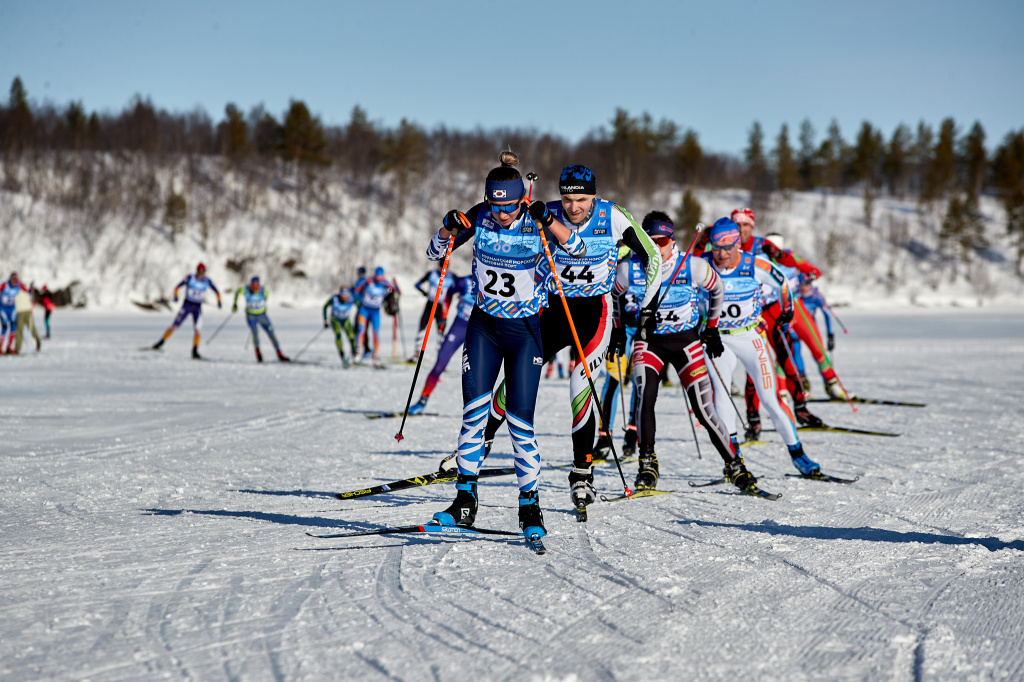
(504, 284)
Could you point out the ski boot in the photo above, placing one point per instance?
(806, 383)
(531, 519)
(804, 464)
(753, 431)
(834, 390)
(603, 447)
(736, 473)
(281, 357)
(629, 443)
(647, 474)
(461, 512)
(581, 486)
(156, 346)
(418, 406)
(259, 355)
(804, 416)
(345, 362)
(195, 353)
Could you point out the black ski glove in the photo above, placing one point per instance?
(540, 214)
(617, 343)
(771, 250)
(785, 317)
(831, 342)
(646, 322)
(712, 341)
(455, 221)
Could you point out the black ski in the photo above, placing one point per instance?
(717, 481)
(433, 529)
(536, 544)
(867, 401)
(445, 476)
(395, 415)
(599, 462)
(827, 478)
(840, 429)
(753, 491)
(635, 494)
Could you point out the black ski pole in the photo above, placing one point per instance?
(217, 330)
(309, 343)
(689, 414)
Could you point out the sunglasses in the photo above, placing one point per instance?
(723, 247)
(661, 241)
(507, 208)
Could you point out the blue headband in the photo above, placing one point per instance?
(658, 228)
(505, 190)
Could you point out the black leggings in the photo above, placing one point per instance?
(683, 350)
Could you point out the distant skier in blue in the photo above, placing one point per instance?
(371, 292)
(195, 289)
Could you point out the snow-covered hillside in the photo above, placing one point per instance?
(153, 512)
(307, 239)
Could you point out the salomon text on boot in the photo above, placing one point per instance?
(461, 512)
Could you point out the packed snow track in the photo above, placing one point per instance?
(155, 508)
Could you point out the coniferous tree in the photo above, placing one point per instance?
(758, 179)
(266, 132)
(18, 122)
(302, 136)
(832, 155)
(806, 156)
(690, 158)
(76, 122)
(974, 160)
(1008, 180)
(921, 155)
(939, 174)
(787, 175)
(894, 163)
(688, 216)
(405, 157)
(362, 149)
(234, 133)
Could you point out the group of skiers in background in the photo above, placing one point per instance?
(17, 313)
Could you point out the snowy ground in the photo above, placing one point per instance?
(154, 509)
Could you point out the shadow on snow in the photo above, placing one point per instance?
(862, 533)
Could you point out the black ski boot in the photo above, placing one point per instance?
(753, 431)
(647, 475)
(281, 357)
(531, 520)
(259, 355)
(736, 473)
(581, 486)
(195, 353)
(462, 511)
(603, 447)
(629, 443)
(804, 416)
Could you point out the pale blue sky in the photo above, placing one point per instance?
(560, 67)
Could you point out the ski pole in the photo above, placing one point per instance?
(833, 314)
(217, 330)
(622, 397)
(725, 387)
(689, 413)
(426, 336)
(575, 337)
(309, 343)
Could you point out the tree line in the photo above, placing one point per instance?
(634, 156)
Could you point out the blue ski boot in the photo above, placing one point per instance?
(418, 406)
(531, 520)
(462, 511)
(804, 464)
